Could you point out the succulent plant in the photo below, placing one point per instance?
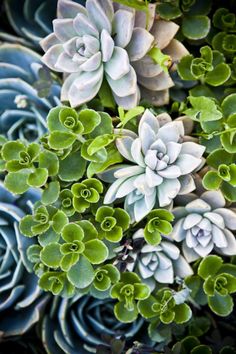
(164, 308)
(31, 21)
(22, 111)
(94, 48)
(162, 165)
(204, 223)
(215, 283)
(84, 324)
(128, 291)
(158, 264)
(20, 297)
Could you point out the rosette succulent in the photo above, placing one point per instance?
(22, 112)
(30, 20)
(21, 300)
(204, 224)
(108, 44)
(83, 324)
(160, 263)
(161, 168)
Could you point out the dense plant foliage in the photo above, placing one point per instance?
(118, 176)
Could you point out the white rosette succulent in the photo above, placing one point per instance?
(161, 263)
(161, 168)
(204, 224)
(111, 41)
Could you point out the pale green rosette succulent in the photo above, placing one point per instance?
(161, 168)
(158, 264)
(107, 41)
(204, 224)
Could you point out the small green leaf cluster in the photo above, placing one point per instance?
(214, 285)
(158, 223)
(195, 24)
(128, 291)
(210, 68)
(224, 38)
(222, 173)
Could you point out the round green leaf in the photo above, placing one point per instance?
(16, 182)
(72, 168)
(51, 255)
(61, 140)
(219, 75)
(11, 150)
(90, 120)
(53, 121)
(211, 180)
(81, 274)
(38, 178)
(51, 193)
(59, 220)
(183, 313)
(221, 305)
(96, 251)
(229, 105)
(49, 160)
(229, 191)
(209, 266)
(196, 27)
(26, 224)
(123, 315)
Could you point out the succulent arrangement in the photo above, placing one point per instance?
(117, 176)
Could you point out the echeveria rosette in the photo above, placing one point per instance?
(161, 165)
(20, 297)
(85, 193)
(84, 324)
(91, 43)
(158, 264)
(111, 223)
(204, 224)
(214, 285)
(30, 22)
(128, 291)
(23, 113)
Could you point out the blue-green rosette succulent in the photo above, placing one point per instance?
(78, 325)
(107, 45)
(22, 111)
(162, 163)
(21, 300)
(31, 20)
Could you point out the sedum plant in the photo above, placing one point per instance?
(204, 223)
(23, 110)
(161, 165)
(128, 291)
(221, 174)
(98, 53)
(214, 283)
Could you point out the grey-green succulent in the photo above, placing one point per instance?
(204, 224)
(161, 263)
(107, 43)
(84, 324)
(161, 168)
(21, 299)
(22, 111)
